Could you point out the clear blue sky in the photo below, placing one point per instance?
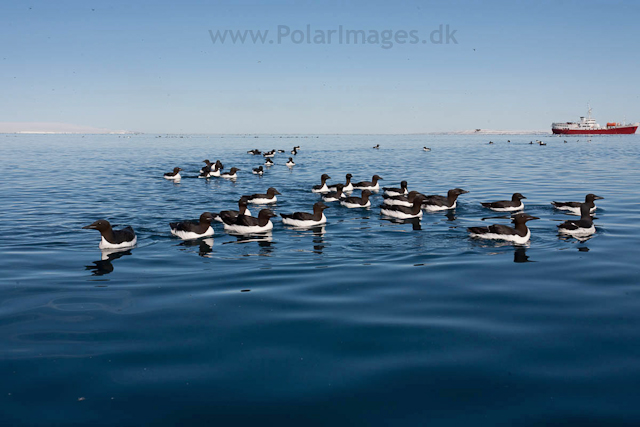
(152, 67)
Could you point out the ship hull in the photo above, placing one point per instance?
(622, 130)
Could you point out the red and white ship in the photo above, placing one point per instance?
(588, 126)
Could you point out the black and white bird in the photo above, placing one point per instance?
(441, 203)
(294, 151)
(290, 163)
(113, 239)
(217, 169)
(322, 188)
(401, 200)
(232, 174)
(579, 227)
(258, 171)
(304, 219)
(269, 153)
(404, 212)
(515, 204)
(347, 187)
(243, 224)
(263, 199)
(334, 196)
(280, 151)
(426, 149)
(377, 147)
(520, 234)
(268, 162)
(207, 163)
(368, 185)
(189, 230)
(574, 207)
(205, 172)
(390, 191)
(175, 175)
(255, 152)
(357, 202)
(231, 214)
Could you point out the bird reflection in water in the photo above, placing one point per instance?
(104, 266)
(520, 254)
(318, 239)
(265, 242)
(415, 222)
(205, 246)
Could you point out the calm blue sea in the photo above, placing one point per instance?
(366, 322)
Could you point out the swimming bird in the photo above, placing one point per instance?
(263, 199)
(390, 191)
(268, 162)
(232, 174)
(515, 204)
(217, 169)
(404, 212)
(334, 196)
(231, 214)
(243, 224)
(368, 185)
(519, 234)
(188, 230)
(175, 175)
(304, 219)
(377, 147)
(490, 142)
(357, 202)
(205, 172)
(426, 149)
(542, 143)
(579, 227)
(440, 203)
(294, 151)
(322, 188)
(207, 163)
(280, 151)
(290, 163)
(401, 200)
(574, 207)
(270, 153)
(113, 239)
(347, 187)
(258, 171)
(254, 152)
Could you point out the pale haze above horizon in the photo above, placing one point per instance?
(308, 67)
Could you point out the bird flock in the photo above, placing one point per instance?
(397, 203)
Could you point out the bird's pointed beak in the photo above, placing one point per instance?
(89, 227)
(523, 197)
(533, 217)
(277, 192)
(599, 198)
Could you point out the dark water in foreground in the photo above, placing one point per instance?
(366, 322)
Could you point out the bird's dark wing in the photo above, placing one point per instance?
(302, 216)
(354, 199)
(436, 200)
(363, 184)
(125, 235)
(566, 204)
(478, 230)
(247, 221)
(183, 226)
(500, 204)
(502, 229)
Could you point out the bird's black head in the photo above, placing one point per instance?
(457, 191)
(377, 178)
(206, 217)
(591, 197)
(324, 177)
(517, 196)
(272, 191)
(266, 213)
(100, 225)
(403, 184)
(523, 217)
(320, 206)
